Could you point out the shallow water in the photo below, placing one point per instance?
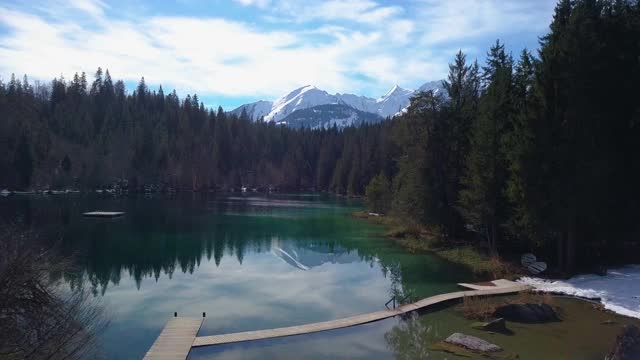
(255, 262)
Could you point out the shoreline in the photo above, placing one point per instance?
(482, 265)
(417, 238)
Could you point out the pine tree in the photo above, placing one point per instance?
(482, 203)
(378, 194)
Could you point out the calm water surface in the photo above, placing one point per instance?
(255, 262)
(250, 262)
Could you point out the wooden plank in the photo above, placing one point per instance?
(295, 330)
(175, 340)
(501, 287)
(103, 214)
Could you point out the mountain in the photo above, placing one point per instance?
(328, 115)
(301, 98)
(255, 110)
(394, 102)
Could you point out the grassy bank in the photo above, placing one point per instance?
(415, 237)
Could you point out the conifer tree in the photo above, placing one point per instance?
(482, 202)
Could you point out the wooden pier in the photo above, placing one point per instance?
(175, 340)
(497, 287)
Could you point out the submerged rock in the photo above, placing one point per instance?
(627, 345)
(498, 325)
(528, 313)
(472, 343)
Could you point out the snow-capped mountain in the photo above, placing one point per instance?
(394, 102)
(255, 110)
(327, 115)
(301, 98)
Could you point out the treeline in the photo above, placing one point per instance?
(538, 153)
(94, 134)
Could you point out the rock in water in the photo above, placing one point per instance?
(528, 313)
(627, 345)
(498, 325)
(472, 343)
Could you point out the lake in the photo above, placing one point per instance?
(254, 262)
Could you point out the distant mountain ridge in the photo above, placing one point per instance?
(394, 102)
(329, 115)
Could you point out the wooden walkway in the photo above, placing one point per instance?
(501, 287)
(180, 334)
(175, 340)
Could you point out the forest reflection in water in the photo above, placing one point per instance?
(250, 262)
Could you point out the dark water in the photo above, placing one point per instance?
(255, 262)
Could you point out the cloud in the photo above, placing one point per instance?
(359, 11)
(358, 46)
(452, 20)
(94, 8)
(259, 3)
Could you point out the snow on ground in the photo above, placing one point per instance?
(619, 290)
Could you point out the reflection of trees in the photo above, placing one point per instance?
(410, 339)
(160, 236)
(40, 320)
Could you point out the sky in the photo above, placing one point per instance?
(238, 51)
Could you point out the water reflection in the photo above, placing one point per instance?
(250, 263)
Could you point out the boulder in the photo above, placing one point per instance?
(627, 345)
(472, 343)
(527, 313)
(498, 325)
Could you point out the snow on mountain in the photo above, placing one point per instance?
(255, 109)
(327, 115)
(301, 98)
(435, 86)
(394, 102)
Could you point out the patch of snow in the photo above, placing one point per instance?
(619, 290)
(254, 110)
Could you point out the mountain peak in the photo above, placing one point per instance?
(309, 96)
(396, 90)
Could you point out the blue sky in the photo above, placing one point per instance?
(237, 51)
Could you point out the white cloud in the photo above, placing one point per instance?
(259, 3)
(355, 46)
(451, 20)
(205, 55)
(94, 8)
(400, 31)
(359, 11)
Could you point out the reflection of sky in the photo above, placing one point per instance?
(287, 261)
(360, 342)
(262, 292)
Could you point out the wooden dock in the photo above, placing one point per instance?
(103, 214)
(175, 340)
(501, 287)
(177, 349)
